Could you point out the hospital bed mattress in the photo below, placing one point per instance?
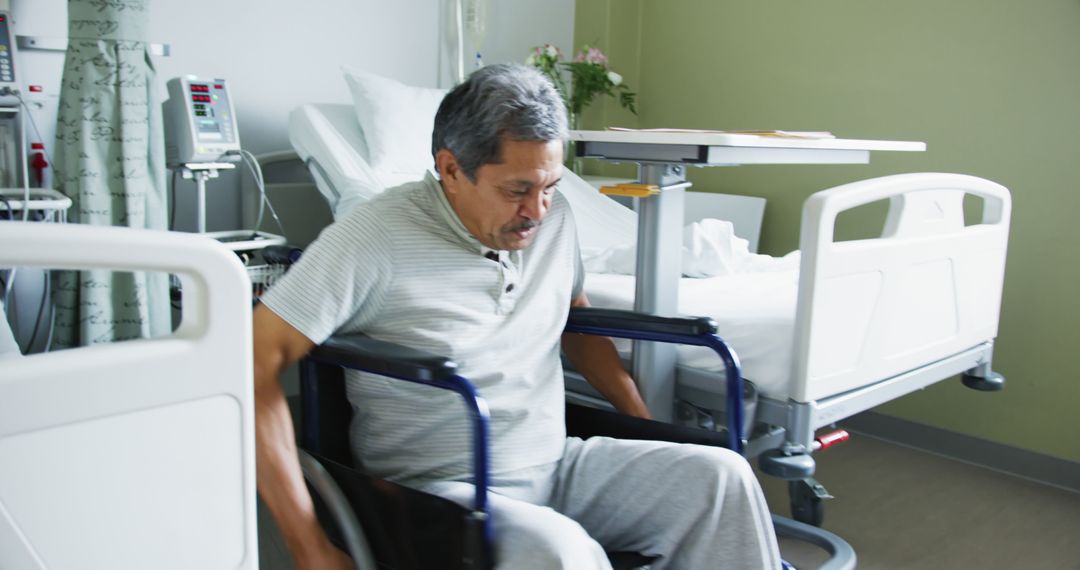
(755, 313)
(330, 132)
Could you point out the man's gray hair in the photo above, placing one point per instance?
(509, 101)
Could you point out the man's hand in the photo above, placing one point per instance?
(597, 360)
(325, 557)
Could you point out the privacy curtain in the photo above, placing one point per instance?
(110, 162)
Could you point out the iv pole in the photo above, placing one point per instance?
(201, 172)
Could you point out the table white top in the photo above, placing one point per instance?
(741, 140)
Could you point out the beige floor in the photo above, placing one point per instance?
(906, 509)
(901, 508)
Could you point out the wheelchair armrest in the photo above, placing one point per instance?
(698, 331)
(281, 254)
(361, 352)
(590, 317)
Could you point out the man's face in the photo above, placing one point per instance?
(504, 208)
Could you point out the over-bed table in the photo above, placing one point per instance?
(663, 158)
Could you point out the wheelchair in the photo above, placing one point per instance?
(385, 525)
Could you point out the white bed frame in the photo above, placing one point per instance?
(880, 318)
(136, 454)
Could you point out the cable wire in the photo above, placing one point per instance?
(260, 184)
(25, 160)
(54, 217)
(33, 124)
(23, 117)
(46, 292)
(172, 200)
(256, 172)
(9, 286)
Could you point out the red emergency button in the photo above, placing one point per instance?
(36, 89)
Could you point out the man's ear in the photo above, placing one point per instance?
(449, 170)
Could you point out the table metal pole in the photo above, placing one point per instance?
(659, 266)
(200, 201)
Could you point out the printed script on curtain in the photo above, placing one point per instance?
(110, 162)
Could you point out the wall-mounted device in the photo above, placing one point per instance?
(200, 122)
(12, 151)
(7, 61)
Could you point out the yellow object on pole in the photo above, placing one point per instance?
(633, 190)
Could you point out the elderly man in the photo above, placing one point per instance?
(482, 265)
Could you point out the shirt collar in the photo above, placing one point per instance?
(448, 215)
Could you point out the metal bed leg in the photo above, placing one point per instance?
(982, 378)
(792, 459)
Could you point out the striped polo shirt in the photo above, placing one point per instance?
(403, 268)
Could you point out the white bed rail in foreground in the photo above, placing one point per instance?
(929, 288)
(136, 454)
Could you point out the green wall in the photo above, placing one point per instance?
(993, 88)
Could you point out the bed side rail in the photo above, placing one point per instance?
(101, 446)
(929, 287)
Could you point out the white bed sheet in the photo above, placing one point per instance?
(330, 133)
(755, 313)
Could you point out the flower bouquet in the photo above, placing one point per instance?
(589, 76)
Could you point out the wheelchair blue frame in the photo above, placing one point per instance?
(365, 354)
(734, 396)
(378, 357)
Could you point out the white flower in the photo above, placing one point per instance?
(614, 78)
(531, 60)
(551, 51)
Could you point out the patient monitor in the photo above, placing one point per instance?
(200, 122)
(202, 138)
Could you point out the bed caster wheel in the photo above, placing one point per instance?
(782, 466)
(808, 501)
(991, 383)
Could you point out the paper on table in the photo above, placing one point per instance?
(779, 134)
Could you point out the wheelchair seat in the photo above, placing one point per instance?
(396, 518)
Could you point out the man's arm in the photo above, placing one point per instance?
(597, 360)
(281, 482)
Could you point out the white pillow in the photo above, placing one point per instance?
(396, 120)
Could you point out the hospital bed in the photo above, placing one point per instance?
(829, 332)
(135, 454)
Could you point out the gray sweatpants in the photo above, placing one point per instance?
(694, 507)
